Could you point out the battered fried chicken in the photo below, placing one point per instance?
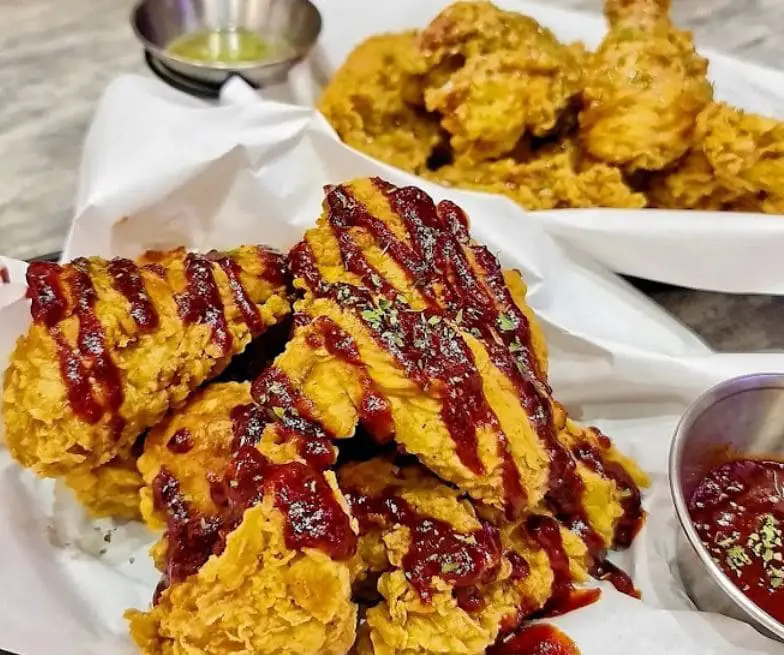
(454, 581)
(114, 345)
(736, 162)
(258, 551)
(364, 103)
(446, 351)
(555, 177)
(644, 88)
(493, 76)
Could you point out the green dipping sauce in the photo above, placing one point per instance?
(231, 46)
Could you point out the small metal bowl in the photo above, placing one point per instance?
(746, 416)
(295, 23)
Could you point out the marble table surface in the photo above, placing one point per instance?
(56, 57)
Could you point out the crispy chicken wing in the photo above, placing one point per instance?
(114, 345)
(493, 76)
(644, 88)
(257, 555)
(364, 102)
(736, 162)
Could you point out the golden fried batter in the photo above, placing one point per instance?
(111, 489)
(555, 178)
(736, 163)
(259, 551)
(364, 103)
(258, 596)
(114, 345)
(454, 582)
(195, 446)
(644, 88)
(386, 269)
(493, 76)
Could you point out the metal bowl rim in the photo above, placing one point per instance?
(717, 393)
(161, 53)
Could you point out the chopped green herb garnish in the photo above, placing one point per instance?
(506, 323)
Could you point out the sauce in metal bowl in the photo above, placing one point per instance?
(228, 46)
(738, 512)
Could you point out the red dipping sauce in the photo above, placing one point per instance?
(738, 512)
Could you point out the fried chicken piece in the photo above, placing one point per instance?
(195, 446)
(556, 177)
(493, 76)
(364, 102)
(446, 355)
(434, 378)
(609, 482)
(258, 596)
(259, 550)
(736, 162)
(115, 345)
(111, 489)
(644, 88)
(454, 581)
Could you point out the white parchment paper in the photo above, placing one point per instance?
(159, 170)
(720, 251)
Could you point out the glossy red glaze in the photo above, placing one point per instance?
(248, 310)
(606, 570)
(437, 549)
(201, 301)
(248, 423)
(127, 279)
(44, 288)
(274, 391)
(180, 442)
(191, 538)
(536, 639)
(546, 534)
(738, 512)
(313, 515)
(633, 516)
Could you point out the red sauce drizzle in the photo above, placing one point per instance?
(248, 423)
(633, 516)
(180, 442)
(157, 269)
(128, 281)
(536, 639)
(375, 412)
(346, 212)
(275, 266)
(606, 570)
(738, 512)
(201, 301)
(89, 363)
(314, 517)
(521, 569)
(191, 539)
(248, 310)
(436, 258)
(274, 390)
(546, 534)
(90, 341)
(49, 305)
(5, 278)
(436, 548)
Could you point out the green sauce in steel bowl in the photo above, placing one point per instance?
(230, 46)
